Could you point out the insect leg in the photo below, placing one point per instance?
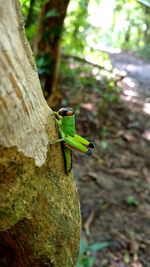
(83, 141)
(73, 143)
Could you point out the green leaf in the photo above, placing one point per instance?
(83, 247)
(52, 13)
(87, 262)
(131, 201)
(126, 257)
(79, 264)
(99, 246)
(104, 145)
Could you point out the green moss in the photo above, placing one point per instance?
(46, 198)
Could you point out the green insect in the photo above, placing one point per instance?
(65, 119)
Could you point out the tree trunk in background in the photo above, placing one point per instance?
(47, 43)
(39, 209)
(30, 13)
(147, 23)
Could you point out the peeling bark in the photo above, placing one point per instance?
(39, 209)
(28, 112)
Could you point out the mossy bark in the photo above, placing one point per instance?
(39, 211)
(39, 208)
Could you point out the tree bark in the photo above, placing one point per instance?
(39, 208)
(47, 43)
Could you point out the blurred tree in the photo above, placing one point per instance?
(39, 226)
(47, 44)
(127, 27)
(76, 28)
(30, 13)
(147, 24)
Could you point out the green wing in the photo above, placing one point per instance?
(67, 158)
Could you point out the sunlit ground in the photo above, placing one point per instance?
(131, 95)
(146, 108)
(130, 92)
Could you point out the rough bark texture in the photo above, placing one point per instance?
(47, 43)
(39, 209)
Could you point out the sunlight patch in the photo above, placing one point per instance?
(130, 95)
(146, 108)
(95, 71)
(130, 82)
(88, 106)
(146, 135)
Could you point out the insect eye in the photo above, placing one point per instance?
(69, 113)
(61, 112)
(65, 111)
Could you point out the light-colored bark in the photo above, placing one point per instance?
(18, 77)
(39, 209)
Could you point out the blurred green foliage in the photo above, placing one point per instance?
(44, 64)
(122, 24)
(25, 6)
(87, 254)
(76, 28)
(128, 26)
(131, 201)
(81, 77)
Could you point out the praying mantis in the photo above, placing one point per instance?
(65, 119)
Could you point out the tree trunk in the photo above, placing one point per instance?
(30, 13)
(47, 44)
(39, 209)
(147, 23)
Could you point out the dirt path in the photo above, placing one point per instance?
(137, 83)
(138, 72)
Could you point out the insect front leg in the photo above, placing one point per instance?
(59, 124)
(62, 135)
